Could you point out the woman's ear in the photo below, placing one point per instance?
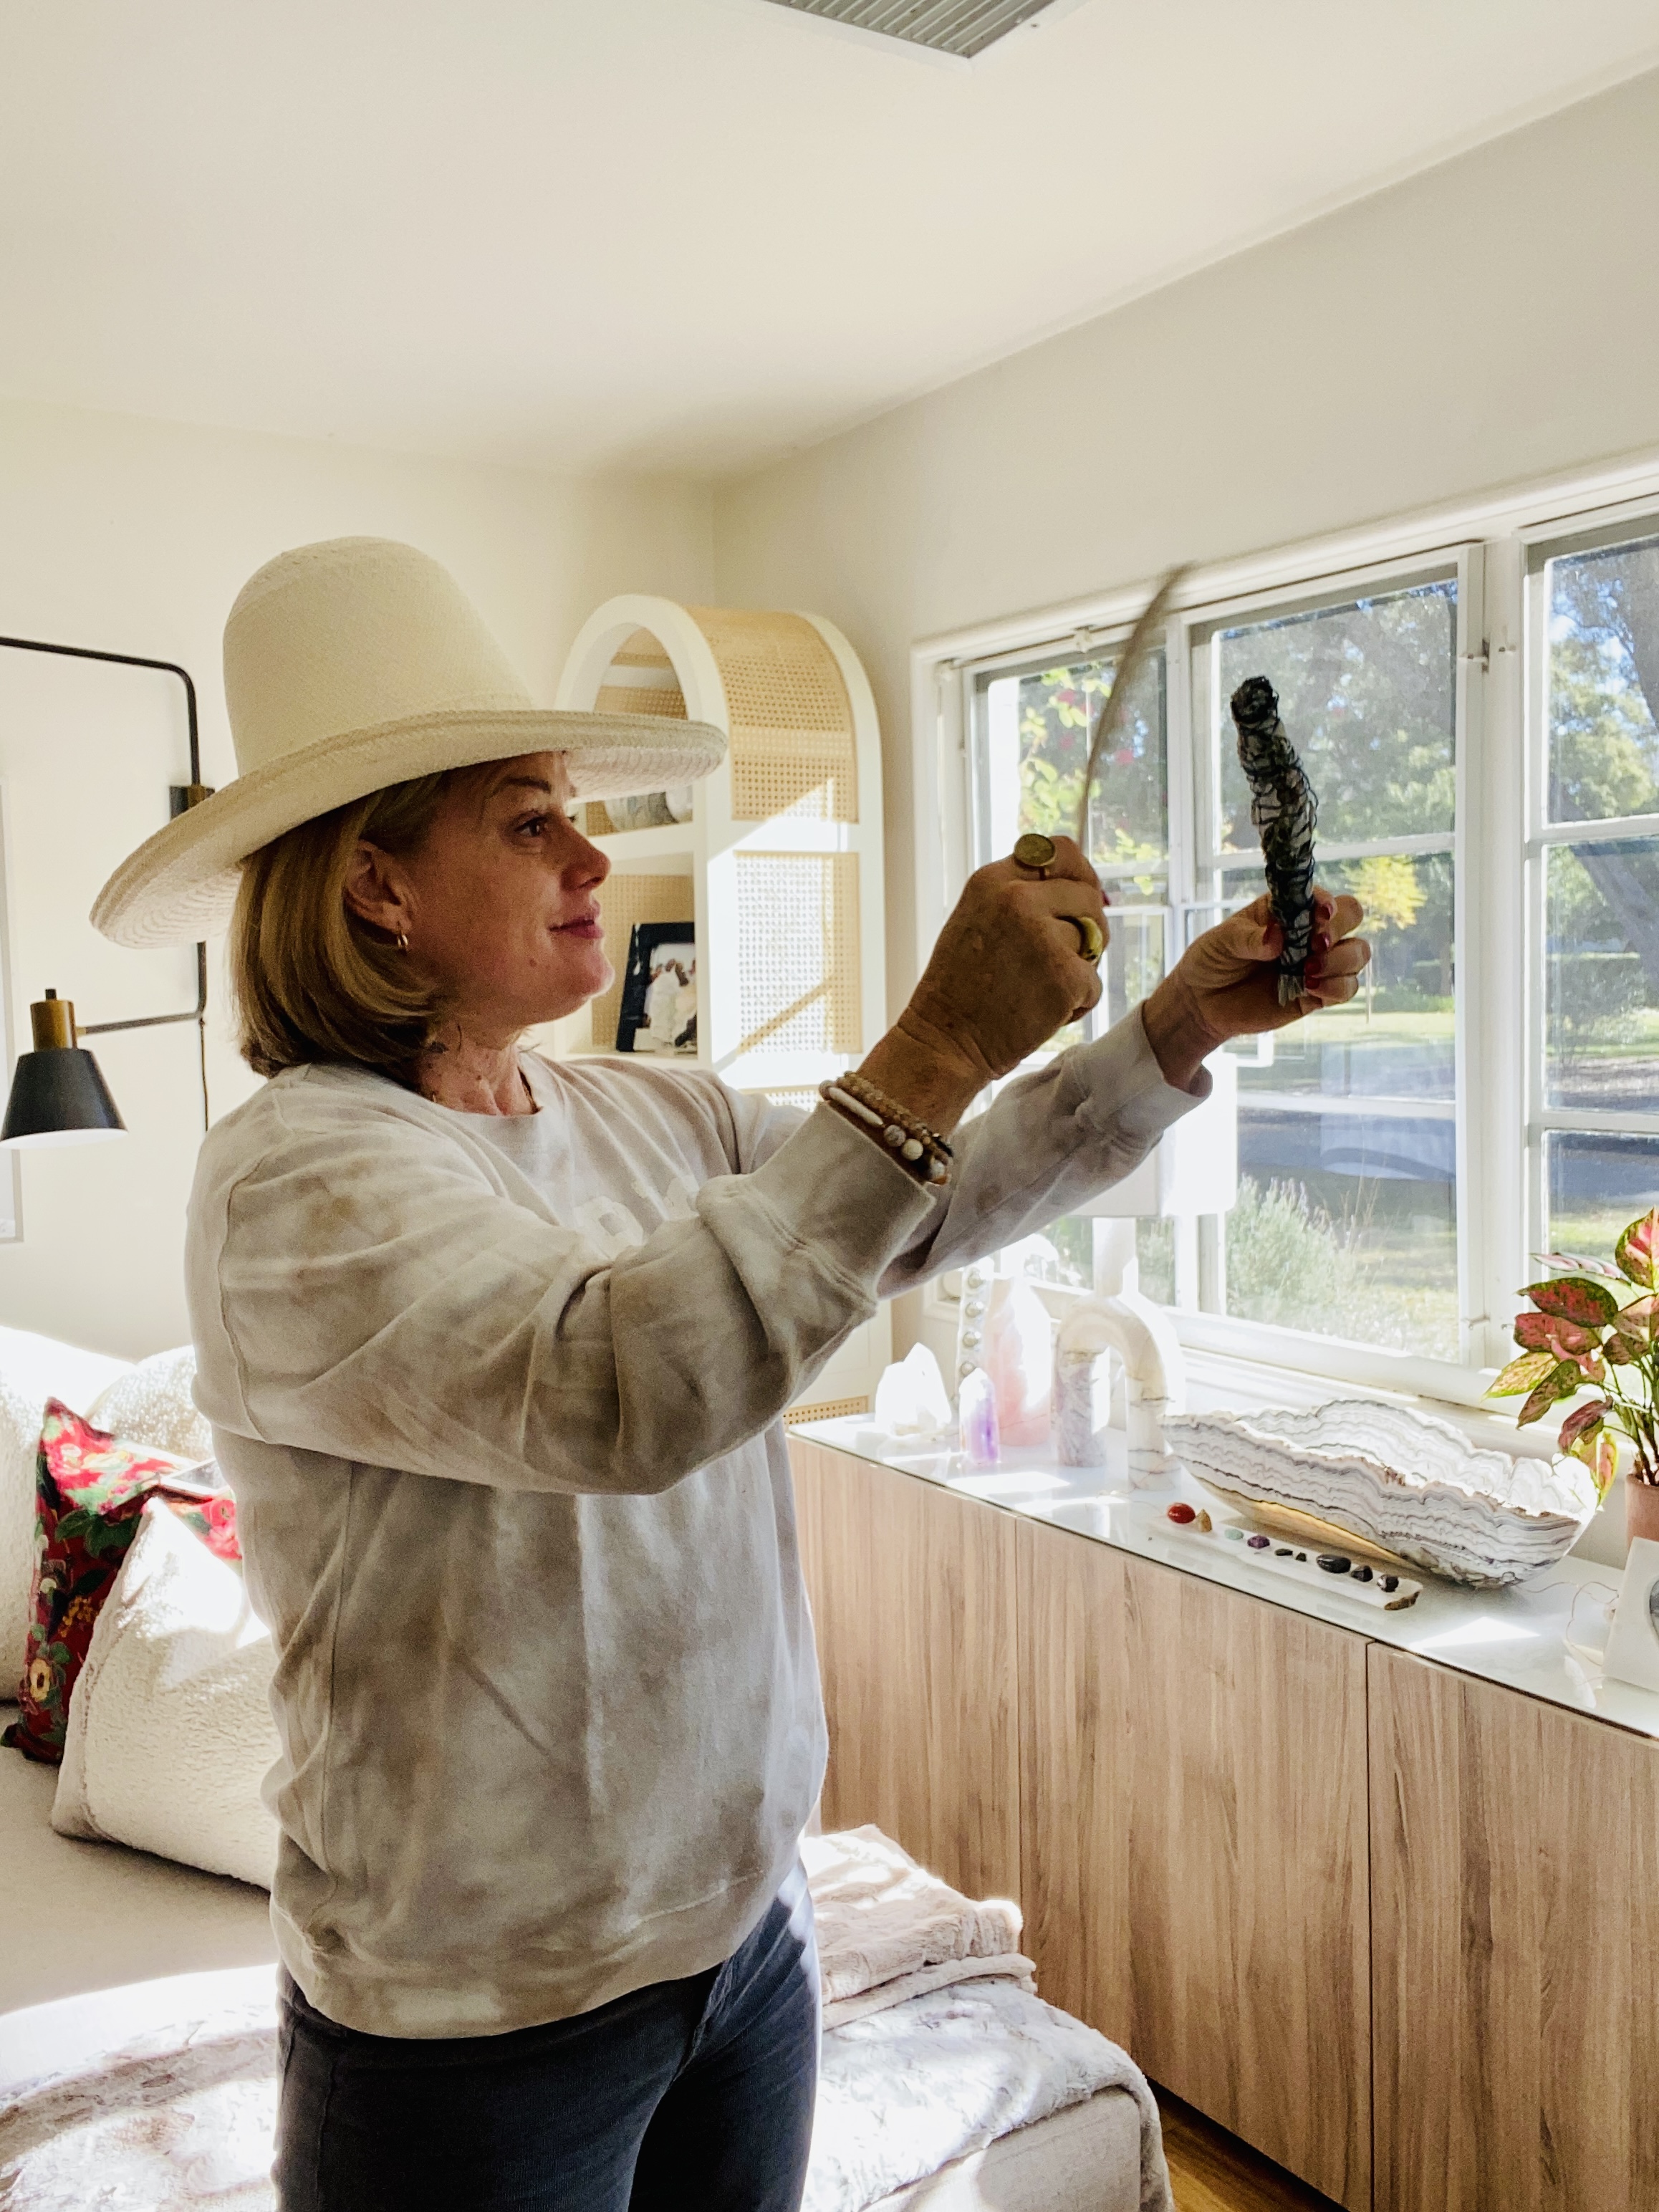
(377, 892)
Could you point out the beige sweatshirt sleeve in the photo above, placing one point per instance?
(362, 1287)
(1049, 1140)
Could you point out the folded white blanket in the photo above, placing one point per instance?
(176, 2112)
(170, 1734)
(888, 1930)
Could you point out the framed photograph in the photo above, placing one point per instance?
(659, 1010)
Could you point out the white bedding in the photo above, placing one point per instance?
(162, 2098)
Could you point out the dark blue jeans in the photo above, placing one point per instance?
(690, 2096)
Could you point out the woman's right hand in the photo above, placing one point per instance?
(1008, 971)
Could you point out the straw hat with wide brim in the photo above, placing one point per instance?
(349, 666)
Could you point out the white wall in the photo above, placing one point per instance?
(1491, 320)
(134, 537)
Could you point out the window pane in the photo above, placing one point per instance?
(1346, 1224)
(1368, 697)
(1037, 728)
(1604, 682)
(1602, 974)
(1133, 966)
(1595, 1185)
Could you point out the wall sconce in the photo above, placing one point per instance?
(59, 1094)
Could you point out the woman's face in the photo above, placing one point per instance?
(498, 902)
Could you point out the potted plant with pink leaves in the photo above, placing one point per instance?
(1596, 1325)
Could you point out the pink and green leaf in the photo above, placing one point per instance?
(1522, 1374)
(1575, 1298)
(1638, 1250)
(1600, 1453)
(1540, 1332)
(1588, 1421)
(1570, 1263)
(1560, 1382)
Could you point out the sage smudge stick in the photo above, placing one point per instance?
(1284, 808)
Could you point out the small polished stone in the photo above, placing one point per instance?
(1303, 1557)
(1388, 1581)
(1362, 1574)
(1281, 1551)
(1333, 1563)
(1257, 1543)
(1182, 1514)
(1203, 1524)
(1238, 1534)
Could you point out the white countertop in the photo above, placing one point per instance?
(1516, 1637)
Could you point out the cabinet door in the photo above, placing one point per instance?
(1515, 1875)
(913, 1601)
(1194, 1844)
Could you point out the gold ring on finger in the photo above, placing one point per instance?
(1034, 850)
(1091, 937)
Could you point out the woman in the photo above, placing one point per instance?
(495, 1354)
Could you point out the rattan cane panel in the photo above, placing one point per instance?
(793, 749)
(804, 1096)
(637, 699)
(642, 650)
(596, 820)
(624, 899)
(827, 1409)
(798, 953)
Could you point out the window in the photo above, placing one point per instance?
(1346, 1224)
(1593, 870)
(1481, 723)
(1034, 721)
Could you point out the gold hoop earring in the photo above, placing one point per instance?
(402, 941)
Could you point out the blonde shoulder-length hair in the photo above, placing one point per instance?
(314, 982)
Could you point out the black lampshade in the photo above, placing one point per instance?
(59, 1094)
(59, 1097)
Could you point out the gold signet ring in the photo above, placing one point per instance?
(1034, 850)
(1091, 937)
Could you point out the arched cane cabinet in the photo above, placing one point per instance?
(779, 865)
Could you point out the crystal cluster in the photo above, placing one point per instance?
(1413, 1485)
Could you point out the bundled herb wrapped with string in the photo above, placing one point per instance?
(1284, 808)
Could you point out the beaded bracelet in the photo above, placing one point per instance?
(911, 1142)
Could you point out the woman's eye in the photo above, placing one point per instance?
(536, 825)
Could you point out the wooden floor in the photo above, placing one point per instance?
(1213, 2172)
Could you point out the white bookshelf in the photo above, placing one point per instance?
(778, 867)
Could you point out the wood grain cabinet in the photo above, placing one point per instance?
(1515, 1877)
(912, 1593)
(1396, 1926)
(1194, 1843)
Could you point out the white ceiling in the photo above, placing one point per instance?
(676, 234)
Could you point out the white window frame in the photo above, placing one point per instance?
(1632, 520)
(1499, 835)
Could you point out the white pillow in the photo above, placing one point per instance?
(151, 1405)
(170, 1734)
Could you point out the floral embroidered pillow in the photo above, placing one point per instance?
(89, 1493)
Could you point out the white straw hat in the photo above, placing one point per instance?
(349, 666)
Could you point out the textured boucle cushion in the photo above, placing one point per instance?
(20, 1446)
(89, 1491)
(171, 1735)
(33, 1368)
(151, 1404)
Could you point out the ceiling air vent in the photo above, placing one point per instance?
(963, 27)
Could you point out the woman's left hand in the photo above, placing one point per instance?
(1226, 983)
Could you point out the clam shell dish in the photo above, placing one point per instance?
(1400, 1484)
